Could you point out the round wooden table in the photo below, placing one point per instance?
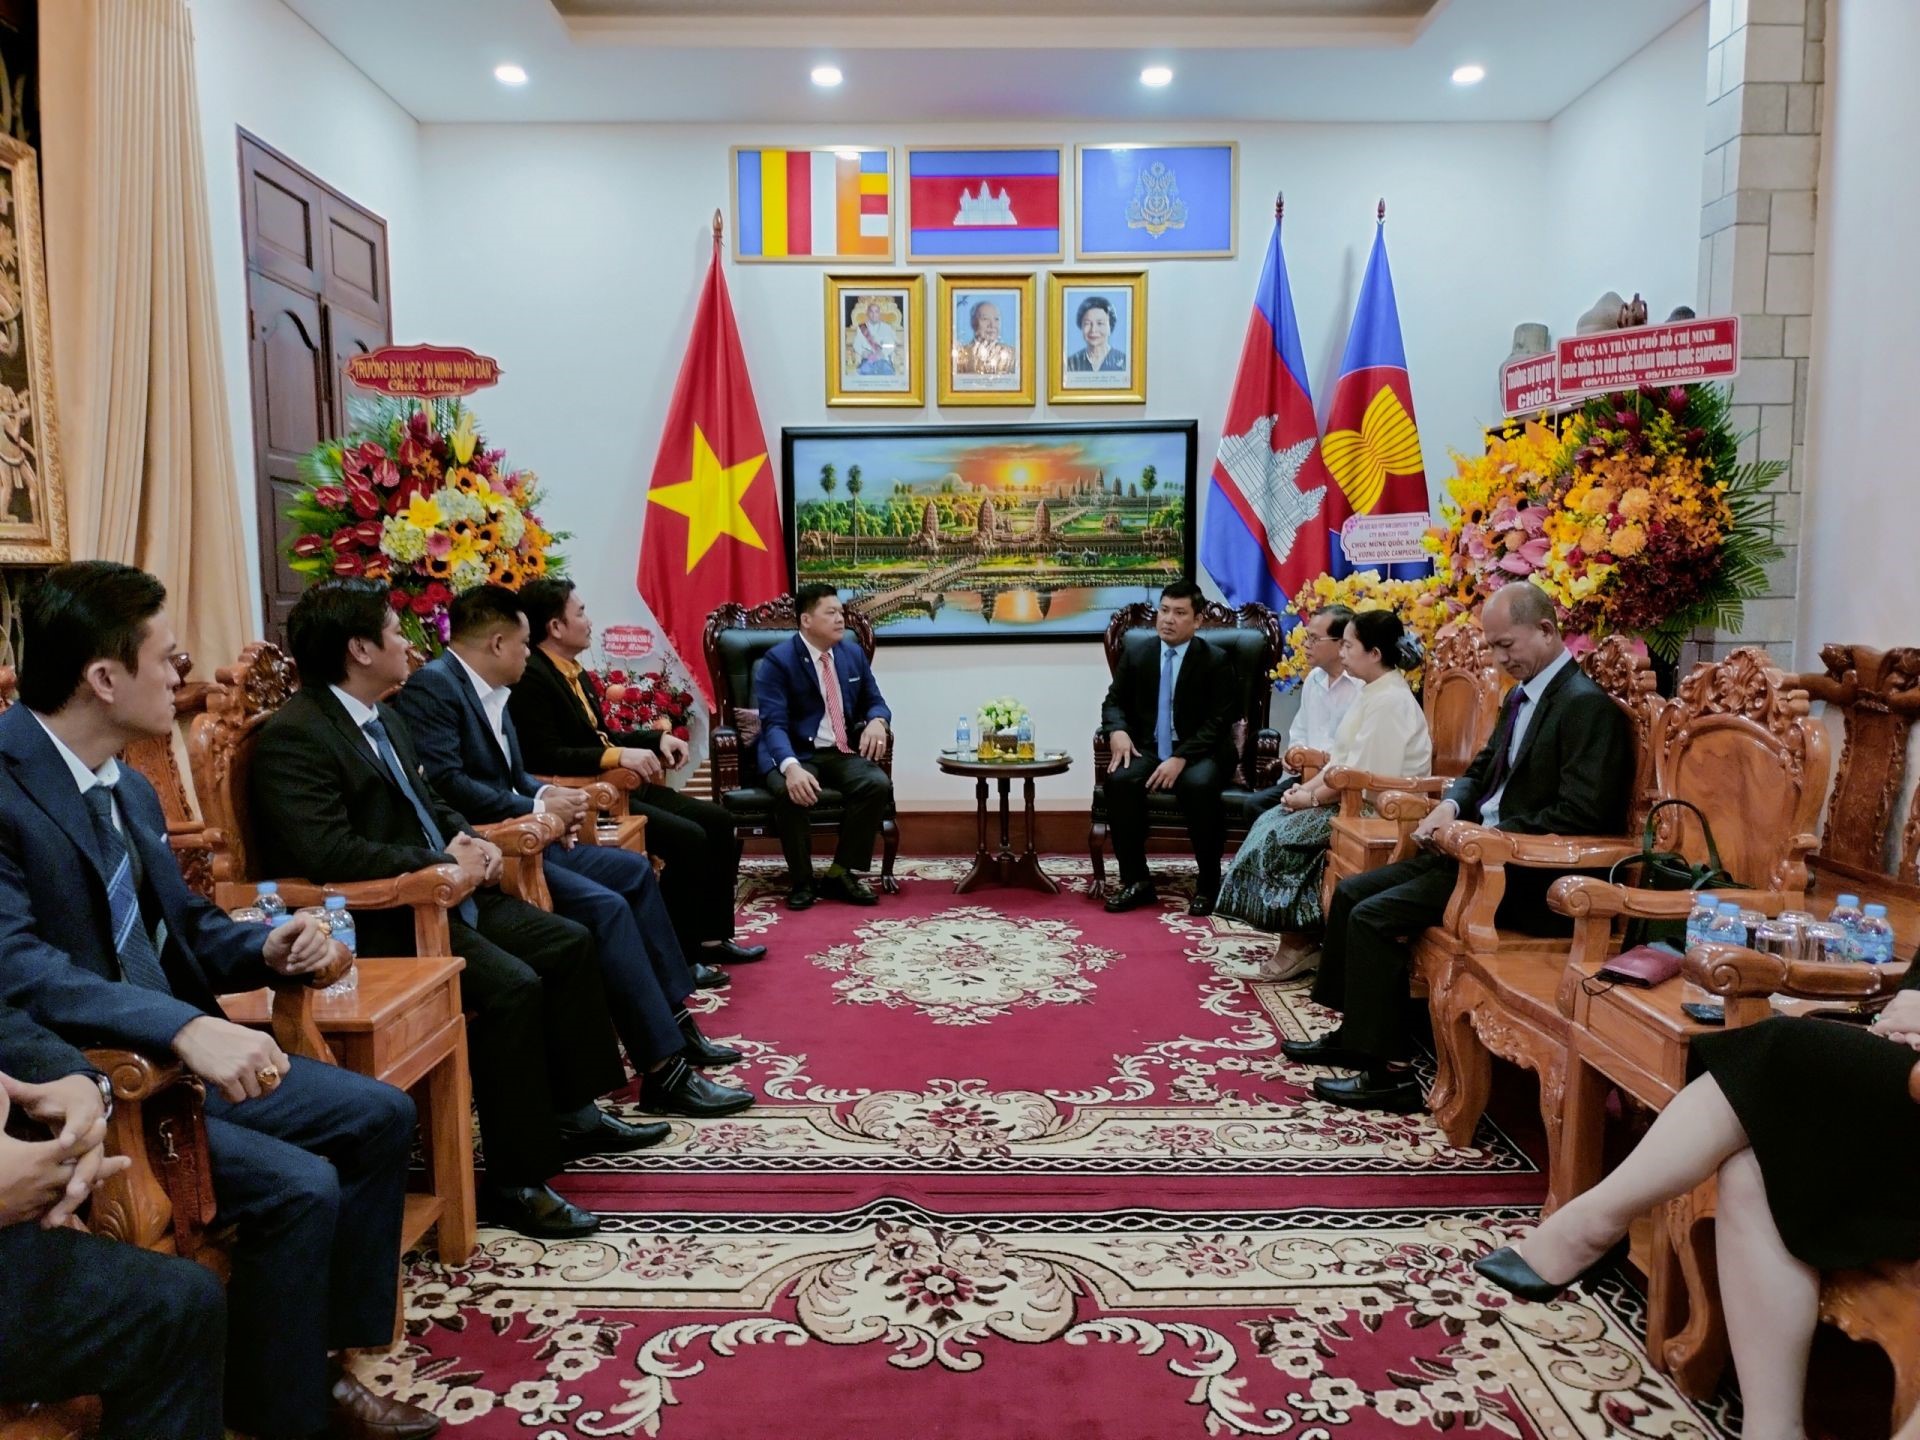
(1004, 866)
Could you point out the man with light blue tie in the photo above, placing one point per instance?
(1179, 690)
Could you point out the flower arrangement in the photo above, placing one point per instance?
(999, 721)
(1640, 519)
(641, 701)
(1003, 713)
(1418, 603)
(413, 496)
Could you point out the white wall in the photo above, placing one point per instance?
(262, 68)
(1623, 182)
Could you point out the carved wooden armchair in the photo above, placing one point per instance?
(1251, 637)
(1877, 693)
(735, 638)
(222, 744)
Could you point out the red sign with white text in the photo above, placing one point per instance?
(627, 642)
(1686, 352)
(1526, 384)
(425, 372)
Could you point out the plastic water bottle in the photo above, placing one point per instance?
(1705, 907)
(340, 924)
(1847, 915)
(1873, 937)
(1025, 737)
(266, 899)
(963, 739)
(1724, 928)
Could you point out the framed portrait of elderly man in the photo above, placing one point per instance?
(986, 347)
(33, 501)
(876, 336)
(1097, 338)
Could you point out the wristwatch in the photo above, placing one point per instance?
(106, 1093)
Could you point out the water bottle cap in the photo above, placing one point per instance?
(281, 919)
(1877, 912)
(1846, 900)
(1729, 907)
(267, 887)
(336, 902)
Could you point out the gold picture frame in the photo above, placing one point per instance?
(987, 358)
(33, 497)
(876, 328)
(1084, 365)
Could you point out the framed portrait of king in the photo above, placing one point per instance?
(876, 339)
(33, 500)
(986, 346)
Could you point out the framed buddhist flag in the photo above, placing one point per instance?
(984, 203)
(823, 205)
(1175, 200)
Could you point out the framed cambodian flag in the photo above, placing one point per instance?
(1175, 200)
(984, 203)
(826, 205)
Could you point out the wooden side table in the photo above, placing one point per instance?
(1003, 866)
(404, 1025)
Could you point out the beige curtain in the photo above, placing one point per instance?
(147, 441)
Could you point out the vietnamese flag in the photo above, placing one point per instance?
(711, 533)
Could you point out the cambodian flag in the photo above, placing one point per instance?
(983, 204)
(1265, 537)
(1372, 446)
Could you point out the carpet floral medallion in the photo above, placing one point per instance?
(1022, 1168)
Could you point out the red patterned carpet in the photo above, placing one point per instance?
(1022, 1168)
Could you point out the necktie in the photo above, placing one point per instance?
(1163, 724)
(836, 715)
(139, 962)
(1509, 722)
(377, 732)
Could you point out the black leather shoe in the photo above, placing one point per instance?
(1324, 1051)
(610, 1137)
(801, 897)
(849, 887)
(702, 1051)
(536, 1211)
(709, 977)
(1505, 1268)
(1372, 1091)
(1200, 905)
(1131, 897)
(729, 953)
(685, 1091)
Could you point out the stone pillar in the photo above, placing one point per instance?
(1765, 72)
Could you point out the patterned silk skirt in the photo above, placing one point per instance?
(1274, 880)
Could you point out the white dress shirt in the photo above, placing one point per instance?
(493, 702)
(1535, 688)
(823, 735)
(1384, 731)
(1324, 703)
(360, 713)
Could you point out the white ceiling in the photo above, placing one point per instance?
(908, 61)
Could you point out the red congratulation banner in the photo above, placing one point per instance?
(1685, 352)
(426, 372)
(627, 642)
(1526, 383)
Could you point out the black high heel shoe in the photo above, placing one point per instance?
(1507, 1270)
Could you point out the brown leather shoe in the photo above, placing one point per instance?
(359, 1414)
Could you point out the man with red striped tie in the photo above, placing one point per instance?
(823, 722)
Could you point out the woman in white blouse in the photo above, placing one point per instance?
(1274, 880)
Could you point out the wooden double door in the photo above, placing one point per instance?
(317, 295)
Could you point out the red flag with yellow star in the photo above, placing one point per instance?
(712, 527)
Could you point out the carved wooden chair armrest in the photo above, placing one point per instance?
(1102, 757)
(1305, 761)
(723, 753)
(1736, 972)
(1595, 904)
(1268, 765)
(1354, 785)
(523, 841)
(1482, 855)
(158, 1122)
(609, 788)
(1406, 809)
(429, 892)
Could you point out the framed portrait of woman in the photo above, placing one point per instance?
(876, 335)
(986, 344)
(1097, 339)
(33, 501)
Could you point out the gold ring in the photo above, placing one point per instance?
(268, 1076)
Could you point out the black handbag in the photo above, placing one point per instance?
(1670, 870)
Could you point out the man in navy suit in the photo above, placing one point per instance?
(456, 707)
(101, 942)
(822, 720)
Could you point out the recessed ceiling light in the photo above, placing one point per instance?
(826, 76)
(1156, 76)
(510, 74)
(1469, 74)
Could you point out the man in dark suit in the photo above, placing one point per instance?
(82, 1315)
(338, 795)
(456, 708)
(822, 719)
(1169, 722)
(1560, 762)
(101, 942)
(564, 732)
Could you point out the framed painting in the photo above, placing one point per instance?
(1176, 200)
(815, 205)
(876, 336)
(993, 203)
(986, 346)
(1097, 337)
(990, 532)
(33, 497)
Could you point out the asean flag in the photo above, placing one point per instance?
(1265, 537)
(1372, 444)
(712, 529)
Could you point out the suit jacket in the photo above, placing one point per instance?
(57, 960)
(1574, 773)
(560, 738)
(463, 761)
(34, 1055)
(786, 689)
(1203, 699)
(325, 808)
